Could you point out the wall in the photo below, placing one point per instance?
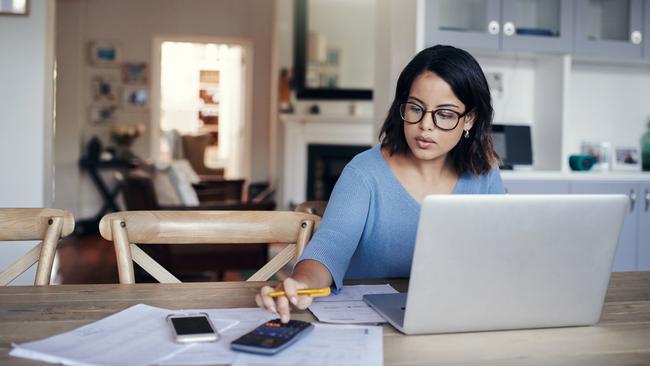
(26, 94)
(133, 25)
(607, 102)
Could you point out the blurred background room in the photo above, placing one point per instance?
(111, 105)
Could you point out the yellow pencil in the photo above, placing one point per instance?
(313, 292)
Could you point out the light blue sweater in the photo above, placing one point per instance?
(368, 229)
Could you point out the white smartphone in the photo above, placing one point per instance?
(195, 327)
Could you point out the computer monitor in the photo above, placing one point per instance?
(513, 144)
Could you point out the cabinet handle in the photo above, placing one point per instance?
(636, 37)
(632, 199)
(647, 200)
(493, 27)
(508, 28)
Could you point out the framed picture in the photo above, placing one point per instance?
(14, 7)
(134, 72)
(104, 88)
(601, 150)
(102, 113)
(135, 97)
(626, 158)
(104, 53)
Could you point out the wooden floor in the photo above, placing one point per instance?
(86, 259)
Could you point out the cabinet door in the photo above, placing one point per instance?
(646, 30)
(536, 186)
(537, 25)
(627, 245)
(610, 28)
(643, 225)
(463, 23)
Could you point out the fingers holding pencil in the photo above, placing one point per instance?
(289, 291)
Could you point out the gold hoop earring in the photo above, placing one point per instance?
(466, 134)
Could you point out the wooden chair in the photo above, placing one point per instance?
(312, 207)
(45, 224)
(203, 227)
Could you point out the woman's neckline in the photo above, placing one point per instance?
(402, 188)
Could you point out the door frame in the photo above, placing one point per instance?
(247, 94)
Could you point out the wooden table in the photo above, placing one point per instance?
(621, 338)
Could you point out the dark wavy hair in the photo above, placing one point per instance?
(465, 76)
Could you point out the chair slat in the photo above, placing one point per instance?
(21, 265)
(151, 266)
(199, 227)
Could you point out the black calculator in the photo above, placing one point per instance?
(272, 337)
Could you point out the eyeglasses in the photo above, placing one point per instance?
(444, 119)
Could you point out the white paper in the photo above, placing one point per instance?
(348, 307)
(140, 335)
(137, 335)
(336, 345)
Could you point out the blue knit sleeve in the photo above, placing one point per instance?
(495, 184)
(338, 235)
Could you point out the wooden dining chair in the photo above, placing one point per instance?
(128, 228)
(312, 207)
(46, 224)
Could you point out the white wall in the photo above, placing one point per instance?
(607, 103)
(26, 72)
(133, 25)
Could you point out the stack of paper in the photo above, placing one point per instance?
(140, 335)
(348, 306)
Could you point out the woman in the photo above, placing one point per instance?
(435, 140)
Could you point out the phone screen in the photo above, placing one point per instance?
(191, 325)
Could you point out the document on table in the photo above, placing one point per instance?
(328, 344)
(140, 335)
(348, 307)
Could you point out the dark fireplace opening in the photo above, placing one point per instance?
(325, 164)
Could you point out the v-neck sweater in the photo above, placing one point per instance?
(368, 229)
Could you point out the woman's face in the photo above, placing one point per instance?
(426, 140)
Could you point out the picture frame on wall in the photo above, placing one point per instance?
(134, 72)
(135, 97)
(100, 114)
(104, 53)
(626, 158)
(14, 7)
(104, 89)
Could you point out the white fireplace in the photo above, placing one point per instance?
(302, 130)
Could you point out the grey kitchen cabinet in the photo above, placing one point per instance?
(609, 28)
(643, 228)
(646, 29)
(518, 25)
(515, 186)
(626, 254)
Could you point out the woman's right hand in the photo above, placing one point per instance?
(281, 304)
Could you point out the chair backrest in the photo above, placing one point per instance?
(194, 151)
(127, 228)
(45, 224)
(312, 207)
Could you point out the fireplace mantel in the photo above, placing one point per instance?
(302, 130)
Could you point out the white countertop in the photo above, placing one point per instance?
(581, 176)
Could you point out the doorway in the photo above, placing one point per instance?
(200, 87)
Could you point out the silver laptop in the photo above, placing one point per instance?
(488, 262)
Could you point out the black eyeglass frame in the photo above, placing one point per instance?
(433, 115)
